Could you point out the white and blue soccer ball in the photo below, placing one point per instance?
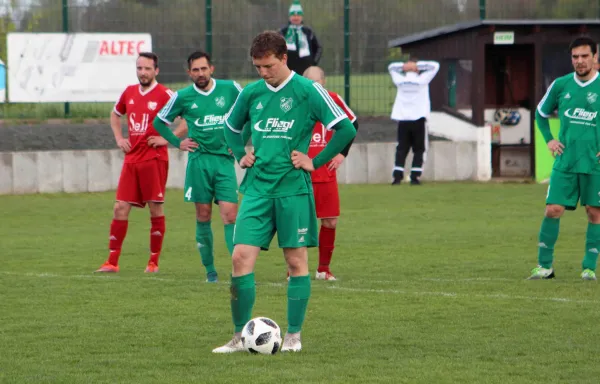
(261, 335)
(507, 116)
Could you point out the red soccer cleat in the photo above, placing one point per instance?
(108, 268)
(327, 276)
(151, 268)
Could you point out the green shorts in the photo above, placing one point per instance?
(567, 189)
(293, 218)
(210, 177)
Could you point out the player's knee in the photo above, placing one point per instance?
(237, 259)
(593, 214)
(229, 216)
(228, 212)
(203, 212)
(121, 210)
(156, 209)
(297, 260)
(330, 223)
(554, 211)
(297, 266)
(242, 260)
(203, 217)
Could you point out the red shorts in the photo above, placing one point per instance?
(143, 182)
(327, 200)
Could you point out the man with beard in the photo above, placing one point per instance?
(575, 176)
(210, 174)
(144, 173)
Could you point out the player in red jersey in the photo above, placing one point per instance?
(325, 186)
(145, 168)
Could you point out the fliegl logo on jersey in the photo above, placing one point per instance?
(212, 121)
(581, 116)
(274, 125)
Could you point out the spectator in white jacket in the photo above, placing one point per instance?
(411, 110)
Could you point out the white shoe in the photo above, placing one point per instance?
(291, 343)
(539, 273)
(234, 345)
(328, 276)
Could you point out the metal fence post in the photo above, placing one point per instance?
(347, 51)
(482, 9)
(209, 33)
(65, 27)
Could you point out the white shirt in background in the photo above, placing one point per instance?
(412, 98)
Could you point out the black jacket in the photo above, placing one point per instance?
(295, 62)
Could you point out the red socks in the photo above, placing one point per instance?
(326, 246)
(157, 234)
(118, 230)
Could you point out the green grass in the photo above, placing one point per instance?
(431, 290)
(371, 95)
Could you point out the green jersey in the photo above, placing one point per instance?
(282, 120)
(204, 113)
(578, 105)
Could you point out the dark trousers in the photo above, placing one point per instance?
(411, 134)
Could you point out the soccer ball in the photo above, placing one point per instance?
(261, 335)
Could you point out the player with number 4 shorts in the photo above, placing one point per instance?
(210, 174)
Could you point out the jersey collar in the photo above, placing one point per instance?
(280, 86)
(582, 84)
(206, 93)
(147, 91)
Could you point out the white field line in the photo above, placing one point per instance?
(452, 295)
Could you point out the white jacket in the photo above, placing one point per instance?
(412, 98)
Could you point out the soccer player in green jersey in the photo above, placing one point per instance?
(282, 109)
(210, 174)
(576, 172)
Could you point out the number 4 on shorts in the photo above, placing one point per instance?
(188, 194)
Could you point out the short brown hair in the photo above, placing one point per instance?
(150, 55)
(198, 55)
(583, 41)
(268, 43)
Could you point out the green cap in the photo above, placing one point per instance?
(296, 9)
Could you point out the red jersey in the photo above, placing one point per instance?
(321, 137)
(141, 109)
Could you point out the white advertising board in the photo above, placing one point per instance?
(77, 67)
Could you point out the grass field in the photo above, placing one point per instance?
(431, 290)
(371, 95)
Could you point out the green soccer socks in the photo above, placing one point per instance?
(204, 240)
(298, 294)
(243, 295)
(592, 244)
(547, 239)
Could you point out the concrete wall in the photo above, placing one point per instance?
(98, 170)
(63, 135)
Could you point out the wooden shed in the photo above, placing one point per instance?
(488, 66)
